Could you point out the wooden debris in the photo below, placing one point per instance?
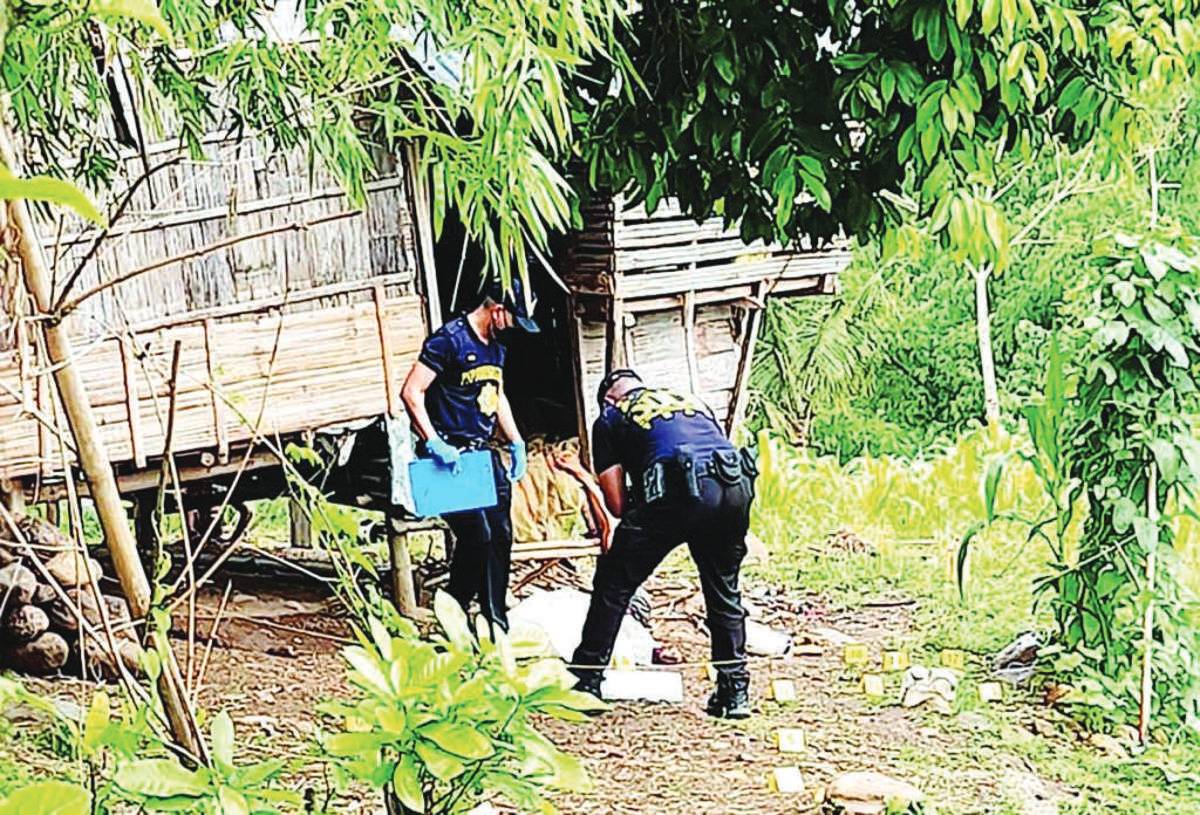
(868, 793)
(786, 780)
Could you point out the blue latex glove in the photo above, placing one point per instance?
(444, 453)
(516, 470)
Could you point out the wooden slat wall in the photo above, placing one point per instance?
(657, 345)
(328, 368)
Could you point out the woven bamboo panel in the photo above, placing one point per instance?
(297, 370)
(239, 189)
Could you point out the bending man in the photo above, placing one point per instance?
(455, 397)
(687, 484)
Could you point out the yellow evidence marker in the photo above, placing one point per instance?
(954, 659)
(787, 780)
(894, 661)
(991, 692)
(623, 663)
(783, 690)
(872, 685)
(855, 653)
(790, 740)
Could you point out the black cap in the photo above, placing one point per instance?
(513, 299)
(607, 382)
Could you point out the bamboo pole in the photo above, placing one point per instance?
(1147, 694)
(94, 461)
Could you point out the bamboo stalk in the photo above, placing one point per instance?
(1147, 694)
(94, 460)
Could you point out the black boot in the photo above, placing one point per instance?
(731, 699)
(589, 682)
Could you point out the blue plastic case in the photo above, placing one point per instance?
(437, 489)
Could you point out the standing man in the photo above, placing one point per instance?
(455, 398)
(687, 484)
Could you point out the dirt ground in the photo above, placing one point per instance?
(276, 657)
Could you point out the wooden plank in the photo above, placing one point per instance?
(741, 385)
(689, 339)
(218, 406)
(424, 229)
(132, 406)
(404, 592)
(723, 275)
(631, 261)
(385, 349)
(142, 480)
(574, 327)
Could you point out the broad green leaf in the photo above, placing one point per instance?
(159, 778)
(406, 782)
(1146, 531)
(347, 745)
(453, 620)
(232, 802)
(724, 67)
(143, 11)
(1166, 456)
(441, 765)
(50, 190)
(1124, 513)
(98, 717)
(368, 670)
(48, 798)
(222, 739)
(459, 739)
(991, 484)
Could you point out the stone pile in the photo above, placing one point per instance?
(41, 608)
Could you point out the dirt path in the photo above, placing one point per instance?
(645, 758)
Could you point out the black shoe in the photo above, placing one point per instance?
(731, 699)
(590, 683)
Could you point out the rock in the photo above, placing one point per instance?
(44, 595)
(65, 567)
(25, 623)
(17, 584)
(44, 536)
(1029, 792)
(64, 616)
(7, 553)
(868, 793)
(131, 656)
(1108, 745)
(938, 686)
(118, 609)
(45, 655)
(102, 663)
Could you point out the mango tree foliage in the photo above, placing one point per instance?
(804, 119)
(479, 88)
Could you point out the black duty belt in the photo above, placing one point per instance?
(682, 473)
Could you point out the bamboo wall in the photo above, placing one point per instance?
(308, 326)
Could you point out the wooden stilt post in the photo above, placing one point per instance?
(93, 459)
(300, 524)
(403, 590)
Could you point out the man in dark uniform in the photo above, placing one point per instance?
(455, 397)
(687, 483)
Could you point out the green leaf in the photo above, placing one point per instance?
(459, 739)
(159, 778)
(453, 620)
(143, 11)
(441, 765)
(1146, 532)
(406, 782)
(48, 798)
(348, 745)
(370, 673)
(962, 12)
(50, 190)
(98, 716)
(1166, 456)
(1124, 512)
(724, 67)
(991, 484)
(222, 739)
(232, 802)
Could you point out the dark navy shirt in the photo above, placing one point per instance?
(649, 425)
(463, 399)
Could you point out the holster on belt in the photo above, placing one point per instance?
(680, 475)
